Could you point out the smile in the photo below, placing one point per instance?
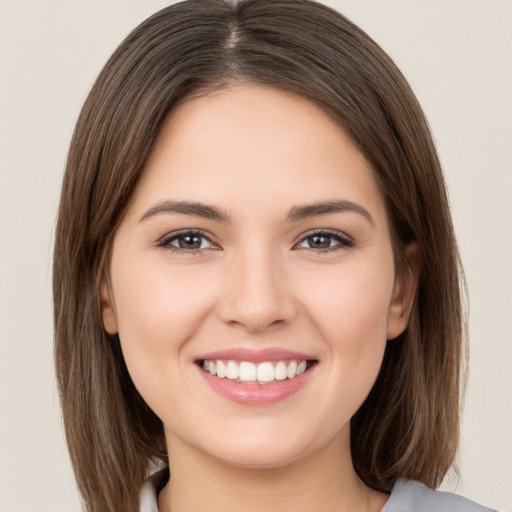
(256, 377)
(264, 372)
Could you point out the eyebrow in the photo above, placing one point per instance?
(296, 213)
(187, 208)
(325, 208)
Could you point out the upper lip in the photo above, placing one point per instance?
(255, 355)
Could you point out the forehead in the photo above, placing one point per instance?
(254, 142)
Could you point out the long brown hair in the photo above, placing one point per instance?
(408, 426)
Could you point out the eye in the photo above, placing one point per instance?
(325, 241)
(186, 241)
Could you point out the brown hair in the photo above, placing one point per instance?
(408, 425)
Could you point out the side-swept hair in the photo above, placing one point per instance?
(408, 426)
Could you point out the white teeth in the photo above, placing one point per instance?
(301, 368)
(280, 371)
(221, 369)
(246, 371)
(292, 370)
(232, 370)
(265, 372)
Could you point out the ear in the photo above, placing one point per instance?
(108, 311)
(404, 293)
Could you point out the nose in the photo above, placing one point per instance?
(258, 294)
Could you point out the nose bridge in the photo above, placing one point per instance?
(258, 295)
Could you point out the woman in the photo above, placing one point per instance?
(256, 278)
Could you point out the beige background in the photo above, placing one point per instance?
(457, 55)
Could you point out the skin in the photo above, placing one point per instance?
(255, 153)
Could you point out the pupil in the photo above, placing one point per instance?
(190, 242)
(319, 241)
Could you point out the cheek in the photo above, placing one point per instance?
(353, 300)
(158, 311)
(351, 312)
(157, 304)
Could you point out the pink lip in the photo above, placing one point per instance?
(256, 394)
(255, 355)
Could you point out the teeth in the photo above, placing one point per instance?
(232, 370)
(265, 372)
(301, 368)
(246, 371)
(292, 370)
(280, 371)
(221, 369)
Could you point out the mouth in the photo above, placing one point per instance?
(256, 377)
(256, 373)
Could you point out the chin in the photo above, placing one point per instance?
(259, 457)
(269, 448)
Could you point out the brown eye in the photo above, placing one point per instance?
(319, 241)
(187, 241)
(325, 241)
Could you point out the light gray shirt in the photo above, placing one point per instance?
(406, 496)
(409, 496)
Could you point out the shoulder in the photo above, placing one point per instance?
(409, 496)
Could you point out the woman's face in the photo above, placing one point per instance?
(257, 245)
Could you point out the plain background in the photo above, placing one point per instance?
(457, 55)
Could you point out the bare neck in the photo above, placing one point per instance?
(323, 481)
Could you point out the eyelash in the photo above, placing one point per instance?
(343, 242)
(165, 242)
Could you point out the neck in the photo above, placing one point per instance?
(324, 481)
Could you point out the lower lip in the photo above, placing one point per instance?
(256, 394)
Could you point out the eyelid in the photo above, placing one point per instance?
(165, 241)
(345, 241)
